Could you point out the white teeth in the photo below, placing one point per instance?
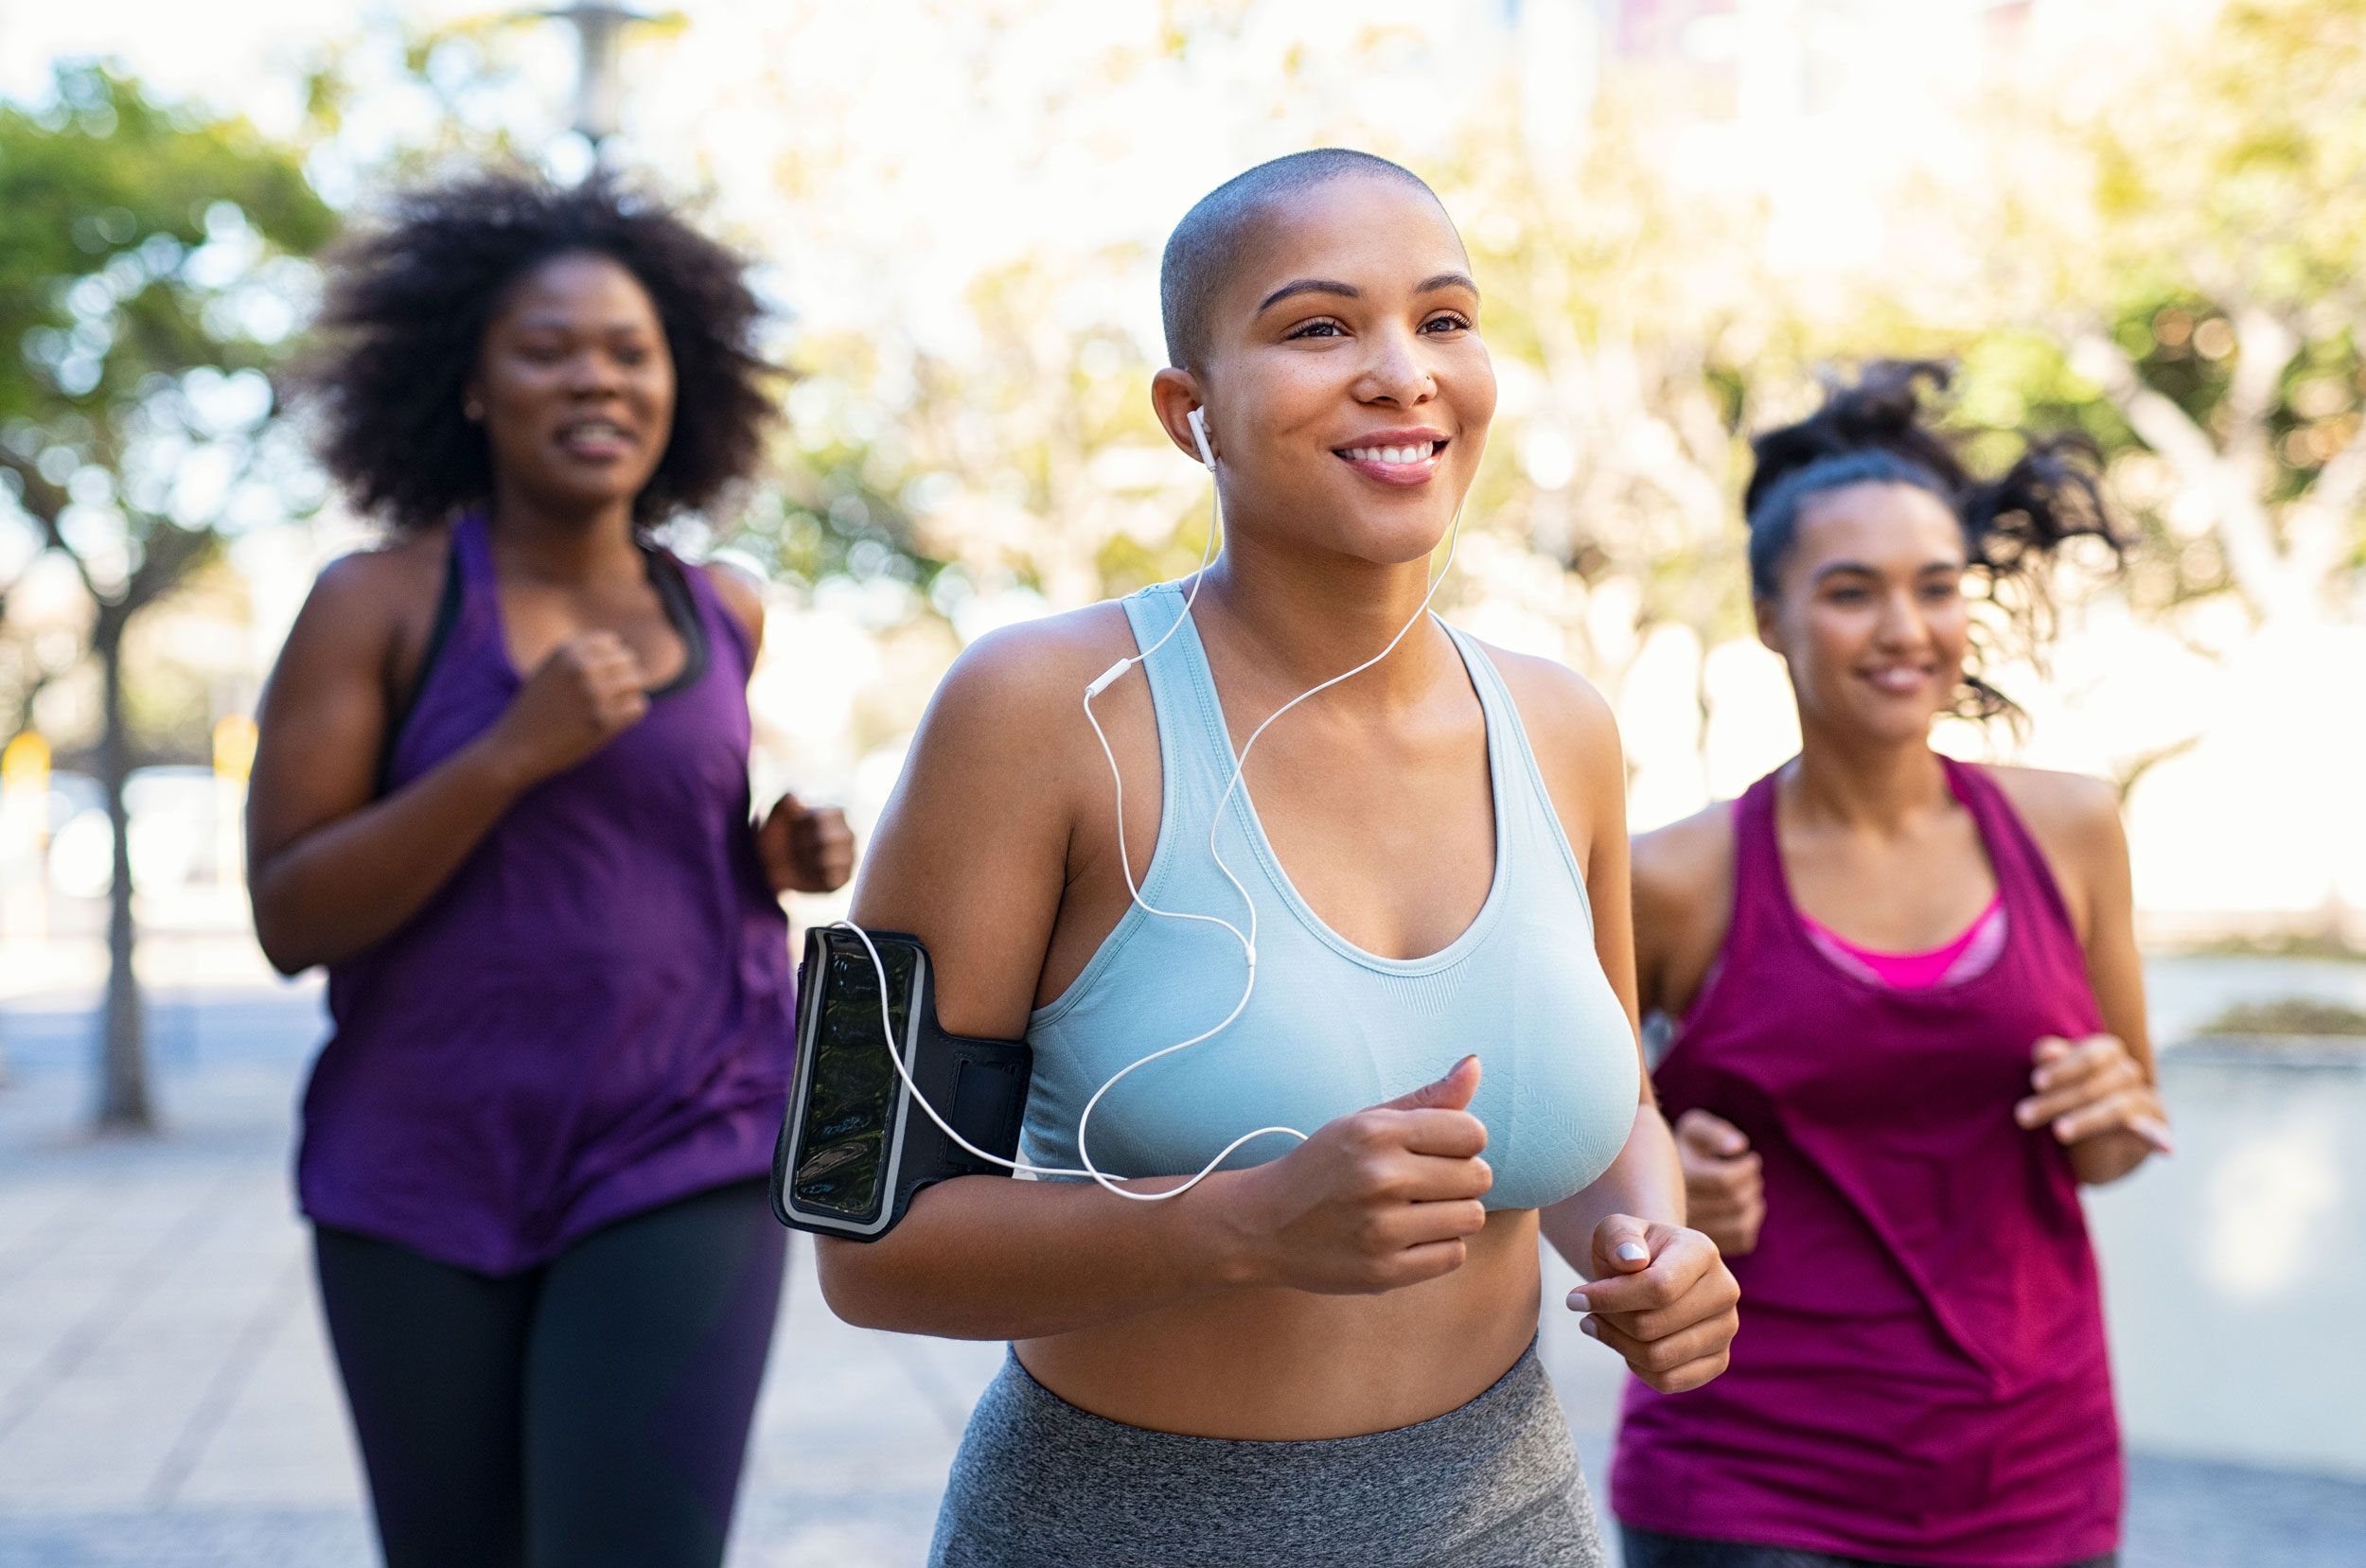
(1391, 454)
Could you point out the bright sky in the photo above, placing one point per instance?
(182, 49)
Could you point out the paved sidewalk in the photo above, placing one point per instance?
(166, 1398)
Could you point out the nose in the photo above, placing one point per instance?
(592, 373)
(1902, 625)
(1396, 371)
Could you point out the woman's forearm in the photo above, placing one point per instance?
(356, 880)
(1645, 1180)
(990, 1257)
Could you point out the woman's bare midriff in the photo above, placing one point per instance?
(1284, 1365)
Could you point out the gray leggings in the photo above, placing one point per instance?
(1041, 1484)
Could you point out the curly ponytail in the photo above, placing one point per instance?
(1875, 432)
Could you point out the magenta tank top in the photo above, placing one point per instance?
(591, 1018)
(1920, 1375)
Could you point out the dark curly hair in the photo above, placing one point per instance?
(1880, 431)
(406, 309)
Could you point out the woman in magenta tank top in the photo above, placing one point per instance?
(501, 794)
(1909, 1024)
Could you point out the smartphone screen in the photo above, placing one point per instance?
(850, 1102)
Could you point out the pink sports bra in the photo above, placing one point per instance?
(1959, 959)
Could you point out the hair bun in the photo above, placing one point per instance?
(1884, 411)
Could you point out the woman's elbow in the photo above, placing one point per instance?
(852, 1285)
(276, 930)
(284, 953)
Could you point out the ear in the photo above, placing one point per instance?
(1174, 393)
(1762, 609)
(472, 400)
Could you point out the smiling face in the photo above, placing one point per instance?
(1869, 612)
(574, 385)
(1348, 393)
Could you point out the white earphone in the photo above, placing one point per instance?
(1197, 419)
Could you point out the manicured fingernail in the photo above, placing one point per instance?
(1586, 1327)
(2025, 1112)
(1632, 1252)
(1577, 1302)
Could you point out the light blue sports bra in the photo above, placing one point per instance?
(1332, 1028)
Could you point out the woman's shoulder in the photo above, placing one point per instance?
(367, 620)
(1682, 877)
(375, 591)
(1568, 721)
(1687, 863)
(412, 559)
(1050, 659)
(1003, 758)
(2073, 817)
(1017, 685)
(2071, 802)
(741, 594)
(1574, 737)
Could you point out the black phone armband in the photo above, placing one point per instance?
(853, 1147)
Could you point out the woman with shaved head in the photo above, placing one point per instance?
(1401, 981)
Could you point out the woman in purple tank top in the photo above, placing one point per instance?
(502, 793)
(1909, 1024)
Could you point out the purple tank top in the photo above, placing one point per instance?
(591, 1018)
(1920, 1375)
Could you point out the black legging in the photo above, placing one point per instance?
(591, 1411)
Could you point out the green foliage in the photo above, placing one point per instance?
(147, 279)
(832, 511)
(2210, 281)
(395, 103)
(2289, 1015)
(131, 235)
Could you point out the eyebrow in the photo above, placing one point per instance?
(1349, 290)
(1840, 569)
(553, 322)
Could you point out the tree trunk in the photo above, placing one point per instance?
(124, 1103)
(2275, 586)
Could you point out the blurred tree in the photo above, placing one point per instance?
(1029, 464)
(1632, 331)
(24, 664)
(1089, 498)
(394, 102)
(148, 276)
(1014, 447)
(2185, 259)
